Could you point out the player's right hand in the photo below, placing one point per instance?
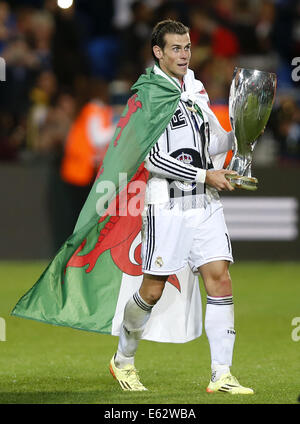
(218, 180)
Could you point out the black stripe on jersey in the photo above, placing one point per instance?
(180, 167)
(173, 170)
(192, 126)
(197, 120)
(151, 237)
(155, 149)
(166, 165)
(168, 141)
(148, 236)
(199, 125)
(228, 242)
(205, 142)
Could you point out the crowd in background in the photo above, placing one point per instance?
(53, 55)
(70, 69)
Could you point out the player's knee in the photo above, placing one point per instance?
(152, 288)
(223, 285)
(219, 284)
(222, 277)
(153, 295)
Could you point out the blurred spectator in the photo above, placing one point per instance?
(41, 33)
(265, 26)
(285, 123)
(122, 14)
(46, 47)
(56, 121)
(41, 97)
(7, 24)
(224, 9)
(175, 10)
(209, 39)
(24, 18)
(88, 138)
(22, 67)
(135, 37)
(243, 24)
(216, 74)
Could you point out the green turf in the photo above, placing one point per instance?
(41, 363)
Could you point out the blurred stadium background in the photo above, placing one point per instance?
(67, 78)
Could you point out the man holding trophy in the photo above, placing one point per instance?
(188, 160)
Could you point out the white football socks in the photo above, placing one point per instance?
(219, 328)
(136, 315)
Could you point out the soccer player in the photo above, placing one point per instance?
(183, 221)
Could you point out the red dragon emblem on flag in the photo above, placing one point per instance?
(133, 106)
(120, 236)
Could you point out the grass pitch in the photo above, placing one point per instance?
(44, 364)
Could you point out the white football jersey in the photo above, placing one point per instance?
(176, 158)
(178, 161)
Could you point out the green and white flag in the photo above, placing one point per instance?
(98, 268)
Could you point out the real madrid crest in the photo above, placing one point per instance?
(159, 261)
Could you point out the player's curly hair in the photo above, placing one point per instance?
(162, 28)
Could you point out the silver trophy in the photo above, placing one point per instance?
(251, 98)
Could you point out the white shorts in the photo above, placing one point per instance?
(172, 238)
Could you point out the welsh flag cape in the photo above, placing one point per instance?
(98, 268)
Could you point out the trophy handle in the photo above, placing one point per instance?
(242, 165)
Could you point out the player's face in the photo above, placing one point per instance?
(175, 57)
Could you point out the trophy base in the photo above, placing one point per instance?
(246, 183)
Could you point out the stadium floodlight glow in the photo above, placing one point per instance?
(64, 4)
